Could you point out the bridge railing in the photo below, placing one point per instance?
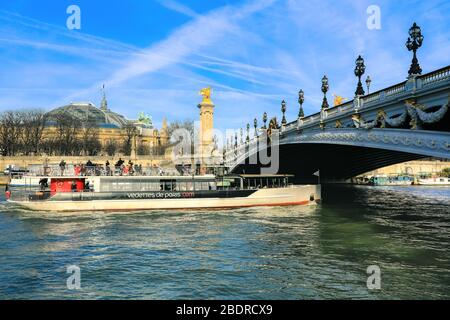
(432, 78)
(436, 76)
(395, 90)
(415, 84)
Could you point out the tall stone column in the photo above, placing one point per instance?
(206, 125)
(133, 154)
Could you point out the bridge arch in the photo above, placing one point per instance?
(343, 153)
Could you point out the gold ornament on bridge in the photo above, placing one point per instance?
(273, 125)
(381, 118)
(338, 100)
(206, 93)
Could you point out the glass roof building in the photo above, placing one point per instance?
(113, 127)
(87, 112)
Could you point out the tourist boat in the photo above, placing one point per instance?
(391, 181)
(437, 181)
(131, 193)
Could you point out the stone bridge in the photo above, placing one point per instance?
(407, 121)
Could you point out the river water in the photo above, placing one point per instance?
(317, 252)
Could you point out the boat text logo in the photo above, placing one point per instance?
(160, 195)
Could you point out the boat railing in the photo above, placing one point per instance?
(100, 170)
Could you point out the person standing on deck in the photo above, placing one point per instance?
(62, 167)
(107, 167)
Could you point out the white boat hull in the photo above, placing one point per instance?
(295, 195)
(434, 182)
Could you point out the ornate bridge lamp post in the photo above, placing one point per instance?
(265, 120)
(301, 100)
(247, 139)
(255, 124)
(235, 145)
(413, 43)
(325, 105)
(325, 88)
(242, 136)
(359, 71)
(224, 155)
(283, 110)
(368, 82)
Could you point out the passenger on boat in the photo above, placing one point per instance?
(118, 166)
(77, 170)
(119, 163)
(74, 186)
(130, 167)
(82, 170)
(43, 183)
(62, 166)
(108, 169)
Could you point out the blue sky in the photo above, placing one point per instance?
(154, 56)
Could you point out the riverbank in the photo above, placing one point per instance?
(4, 180)
(419, 167)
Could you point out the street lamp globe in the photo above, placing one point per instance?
(368, 82)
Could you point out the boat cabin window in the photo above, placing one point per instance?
(228, 183)
(168, 185)
(256, 182)
(155, 184)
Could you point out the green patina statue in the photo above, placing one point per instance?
(145, 119)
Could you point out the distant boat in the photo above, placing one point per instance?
(25, 181)
(391, 181)
(438, 181)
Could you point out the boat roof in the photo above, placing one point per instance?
(204, 177)
(266, 175)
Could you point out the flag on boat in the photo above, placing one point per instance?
(317, 174)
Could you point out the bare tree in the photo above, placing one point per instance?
(11, 127)
(186, 124)
(130, 132)
(143, 150)
(49, 146)
(33, 124)
(91, 145)
(67, 128)
(111, 148)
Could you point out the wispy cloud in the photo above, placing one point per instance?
(190, 38)
(178, 7)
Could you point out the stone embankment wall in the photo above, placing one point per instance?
(412, 168)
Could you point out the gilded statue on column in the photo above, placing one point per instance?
(206, 93)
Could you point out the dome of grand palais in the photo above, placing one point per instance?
(88, 112)
(111, 125)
